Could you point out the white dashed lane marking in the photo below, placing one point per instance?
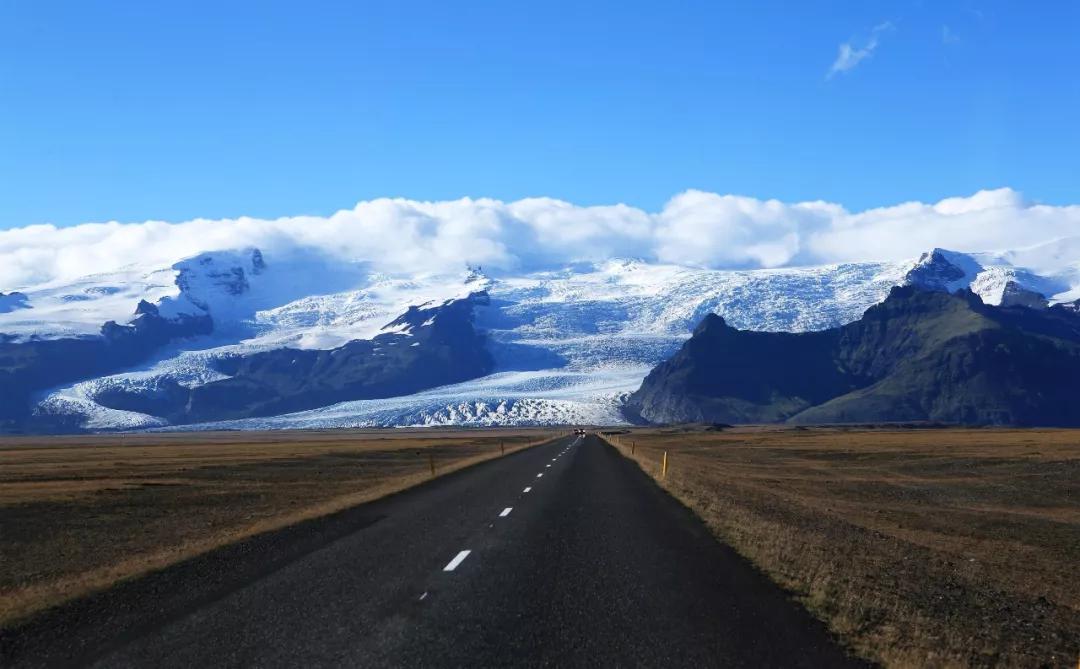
(458, 559)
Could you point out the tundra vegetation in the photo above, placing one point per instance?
(919, 547)
(82, 513)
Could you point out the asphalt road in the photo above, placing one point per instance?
(561, 555)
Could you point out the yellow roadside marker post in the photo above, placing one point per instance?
(663, 471)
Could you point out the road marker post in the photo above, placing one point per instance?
(633, 447)
(502, 447)
(431, 462)
(663, 471)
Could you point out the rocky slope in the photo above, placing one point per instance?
(920, 355)
(12, 301)
(29, 367)
(424, 348)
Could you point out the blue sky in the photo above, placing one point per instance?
(133, 111)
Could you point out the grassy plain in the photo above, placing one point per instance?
(920, 548)
(78, 514)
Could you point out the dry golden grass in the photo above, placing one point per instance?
(921, 548)
(81, 513)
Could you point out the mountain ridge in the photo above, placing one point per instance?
(919, 355)
(568, 344)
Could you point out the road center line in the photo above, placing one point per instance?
(458, 559)
(540, 475)
(506, 512)
(527, 489)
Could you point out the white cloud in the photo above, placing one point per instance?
(693, 228)
(848, 55)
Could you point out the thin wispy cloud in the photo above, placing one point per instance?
(849, 55)
(948, 36)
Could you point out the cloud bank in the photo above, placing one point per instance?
(694, 228)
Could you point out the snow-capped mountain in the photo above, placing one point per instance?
(260, 339)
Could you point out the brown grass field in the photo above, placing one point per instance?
(78, 514)
(920, 548)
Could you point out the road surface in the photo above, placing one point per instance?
(565, 554)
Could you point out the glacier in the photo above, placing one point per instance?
(570, 343)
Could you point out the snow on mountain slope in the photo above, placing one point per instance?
(230, 285)
(993, 277)
(79, 308)
(569, 343)
(324, 321)
(1052, 269)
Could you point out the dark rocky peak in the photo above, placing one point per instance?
(711, 324)
(145, 307)
(911, 299)
(449, 314)
(149, 329)
(941, 270)
(12, 301)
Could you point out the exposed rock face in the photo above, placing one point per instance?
(149, 330)
(1014, 295)
(31, 366)
(426, 347)
(211, 275)
(1071, 307)
(12, 301)
(935, 271)
(726, 375)
(918, 356)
